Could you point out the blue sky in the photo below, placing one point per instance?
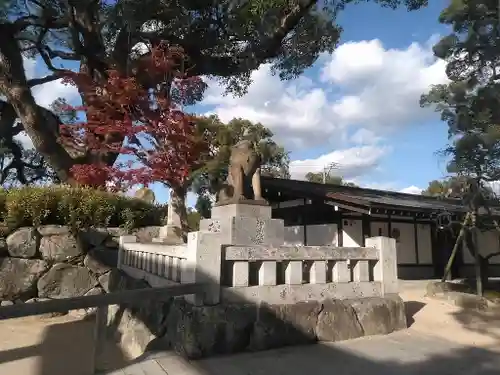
(357, 107)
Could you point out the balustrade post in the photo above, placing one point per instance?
(121, 249)
(386, 268)
(203, 266)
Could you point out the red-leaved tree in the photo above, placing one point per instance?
(135, 116)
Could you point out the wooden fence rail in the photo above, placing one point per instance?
(101, 302)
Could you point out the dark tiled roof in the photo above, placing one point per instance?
(361, 196)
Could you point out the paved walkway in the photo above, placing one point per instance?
(402, 353)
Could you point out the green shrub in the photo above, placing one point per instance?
(76, 207)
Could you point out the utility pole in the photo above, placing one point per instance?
(328, 168)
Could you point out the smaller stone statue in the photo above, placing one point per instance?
(243, 180)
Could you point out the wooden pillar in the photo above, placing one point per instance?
(415, 233)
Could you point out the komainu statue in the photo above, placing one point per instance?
(243, 180)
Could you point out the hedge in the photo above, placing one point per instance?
(75, 207)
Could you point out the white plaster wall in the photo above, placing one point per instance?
(352, 233)
(322, 234)
(294, 235)
(405, 245)
(424, 243)
(488, 242)
(379, 229)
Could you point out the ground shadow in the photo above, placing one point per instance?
(379, 356)
(62, 345)
(411, 308)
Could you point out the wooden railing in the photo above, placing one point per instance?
(102, 302)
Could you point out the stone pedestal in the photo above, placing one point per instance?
(242, 224)
(246, 223)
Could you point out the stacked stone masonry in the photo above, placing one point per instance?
(204, 331)
(49, 262)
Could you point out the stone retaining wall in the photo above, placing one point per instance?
(202, 331)
(49, 262)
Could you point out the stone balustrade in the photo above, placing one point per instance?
(289, 274)
(301, 264)
(262, 273)
(155, 262)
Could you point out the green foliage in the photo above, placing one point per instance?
(229, 39)
(330, 179)
(76, 207)
(193, 218)
(451, 187)
(208, 179)
(204, 205)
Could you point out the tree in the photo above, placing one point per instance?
(160, 139)
(330, 179)
(451, 187)
(207, 180)
(469, 104)
(226, 40)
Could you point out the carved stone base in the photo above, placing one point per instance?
(250, 208)
(252, 202)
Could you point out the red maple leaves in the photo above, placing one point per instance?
(136, 118)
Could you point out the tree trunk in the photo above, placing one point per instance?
(178, 203)
(36, 121)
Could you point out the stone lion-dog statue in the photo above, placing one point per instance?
(243, 180)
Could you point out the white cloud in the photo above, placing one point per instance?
(361, 86)
(48, 92)
(384, 85)
(350, 163)
(412, 190)
(365, 137)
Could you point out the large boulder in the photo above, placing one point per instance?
(23, 243)
(378, 315)
(94, 236)
(53, 230)
(85, 313)
(18, 277)
(60, 248)
(280, 325)
(338, 321)
(65, 281)
(202, 331)
(100, 260)
(4, 249)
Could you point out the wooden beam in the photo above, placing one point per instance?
(129, 296)
(101, 321)
(348, 207)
